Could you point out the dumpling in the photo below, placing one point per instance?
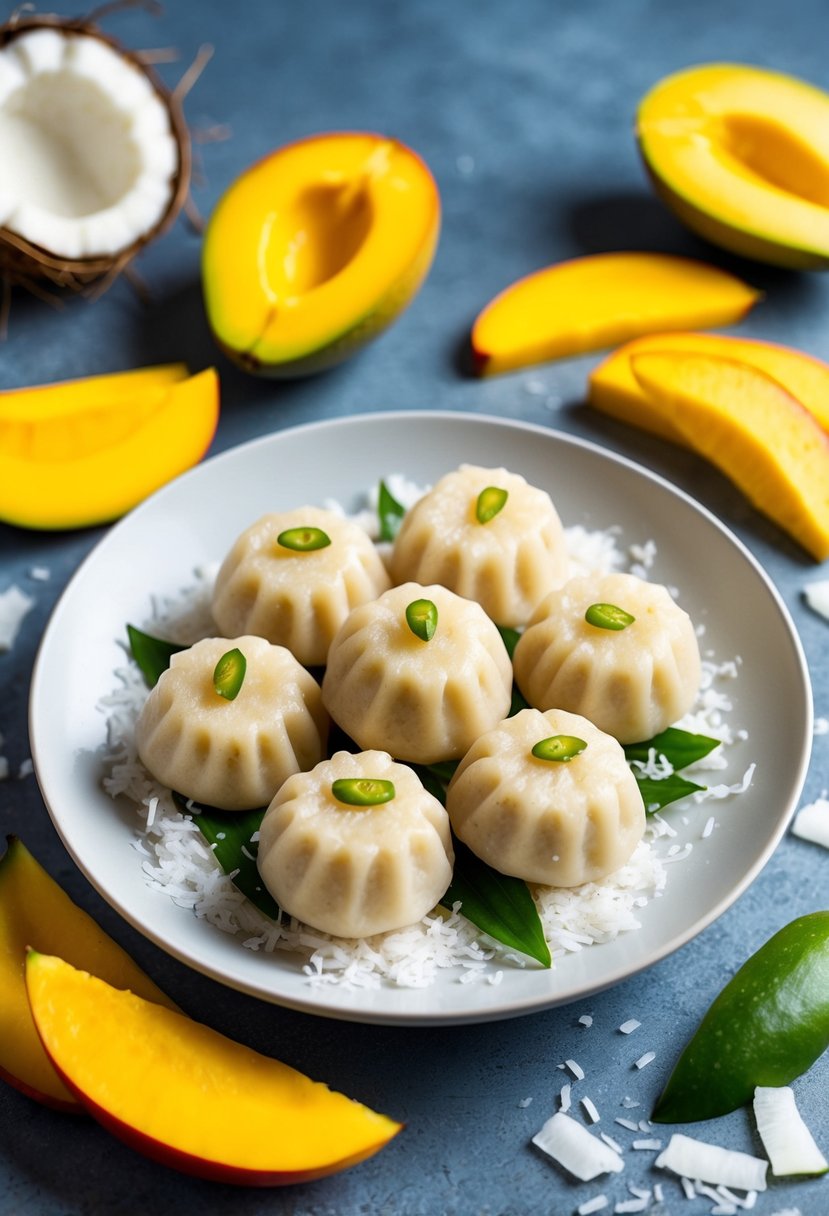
(423, 701)
(507, 563)
(297, 591)
(633, 672)
(232, 754)
(374, 855)
(557, 821)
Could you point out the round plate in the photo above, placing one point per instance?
(195, 519)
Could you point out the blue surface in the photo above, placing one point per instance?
(524, 112)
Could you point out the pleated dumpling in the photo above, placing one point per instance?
(356, 847)
(422, 700)
(570, 815)
(487, 535)
(232, 754)
(293, 577)
(617, 649)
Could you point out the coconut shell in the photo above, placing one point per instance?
(25, 264)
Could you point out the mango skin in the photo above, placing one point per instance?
(187, 1096)
(741, 155)
(767, 1026)
(313, 251)
(35, 911)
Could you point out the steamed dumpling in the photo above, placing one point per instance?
(507, 564)
(297, 597)
(632, 682)
(423, 701)
(556, 822)
(232, 754)
(355, 870)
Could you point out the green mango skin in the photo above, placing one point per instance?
(768, 1025)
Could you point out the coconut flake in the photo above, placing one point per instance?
(14, 604)
(629, 1026)
(592, 1205)
(575, 1149)
(817, 597)
(692, 1158)
(790, 1146)
(644, 1060)
(590, 1110)
(812, 822)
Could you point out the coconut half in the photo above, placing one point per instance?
(94, 149)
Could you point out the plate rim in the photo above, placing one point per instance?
(519, 1006)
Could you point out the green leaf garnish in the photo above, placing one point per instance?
(660, 791)
(509, 637)
(229, 674)
(422, 619)
(390, 513)
(230, 832)
(303, 540)
(608, 616)
(497, 904)
(362, 791)
(490, 501)
(151, 654)
(559, 748)
(679, 747)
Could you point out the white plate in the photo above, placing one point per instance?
(196, 518)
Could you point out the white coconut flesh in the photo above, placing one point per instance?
(87, 147)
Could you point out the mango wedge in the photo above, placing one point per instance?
(599, 301)
(615, 391)
(186, 1095)
(70, 396)
(35, 911)
(69, 461)
(751, 428)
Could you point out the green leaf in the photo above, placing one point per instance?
(151, 654)
(767, 1026)
(509, 637)
(679, 747)
(390, 513)
(499, 905)
(660, 791)
(231, 832)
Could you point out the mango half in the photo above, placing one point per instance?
(741, 154)
(316, 249)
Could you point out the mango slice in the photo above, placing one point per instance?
(35, 911)
(741, 155)
(69, 396)
(68, 460)
(316, 249)
(602, 300)
(614, 389)
(751, 428)
(186, 1095)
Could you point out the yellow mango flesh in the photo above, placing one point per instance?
(752, 429)
(742, 156)
(73, 396)
(598, 301)
(316, 248)
(189, 1096)
(614, 389)
(68, 462)
(35, 912)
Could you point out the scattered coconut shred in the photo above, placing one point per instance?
(178, 862)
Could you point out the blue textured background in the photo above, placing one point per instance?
(524, 113)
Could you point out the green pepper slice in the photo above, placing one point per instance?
(559, 748)
(362, 791)
(422, 619)
(303, 539)
(608, 616)
(490, 501)
(768, 1025)
(229, 674)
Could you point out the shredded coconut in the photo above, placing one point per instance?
(812, 822)
(14, 604)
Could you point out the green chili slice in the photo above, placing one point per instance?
(304, 539)
(558, 747)
(490, 502)
(362, 791)
(229, 673)
(608, 616)
(422, 619)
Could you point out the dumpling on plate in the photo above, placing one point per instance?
(356, 847)
(232, 753)
(549, 798)
(487, 535)
(422, 699)
(617, 649)
(293, 577)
